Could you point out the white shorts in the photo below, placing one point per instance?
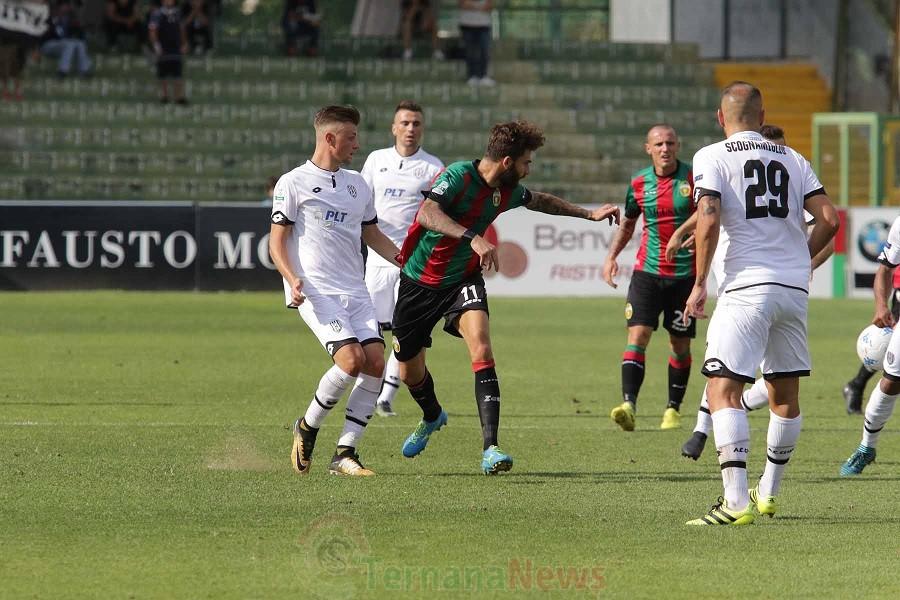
(340, 320)
(891, 363)
(383, 283)
(763, 326)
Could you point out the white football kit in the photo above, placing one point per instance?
(397, 183)
(762, 261)
(327, 210)
(890, 257)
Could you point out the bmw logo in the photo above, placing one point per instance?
(871, 239)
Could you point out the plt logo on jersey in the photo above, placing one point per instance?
(328, 218)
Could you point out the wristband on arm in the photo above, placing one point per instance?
(468, 234)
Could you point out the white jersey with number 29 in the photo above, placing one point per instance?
(762, 187)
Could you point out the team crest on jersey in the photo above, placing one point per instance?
(419, 172)
(497, 197)
(629, 311)
(352, 190)
(336, 325)
(685, 189)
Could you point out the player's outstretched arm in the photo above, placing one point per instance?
(432, 217)
(375, 239)
(677, 240)
(619, 241)
(278, 238)
(553, 205)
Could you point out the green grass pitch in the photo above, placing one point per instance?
(145, 442)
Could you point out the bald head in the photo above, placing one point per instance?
(742, 106)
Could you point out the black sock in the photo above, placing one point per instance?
(861, 379)
(487, 395)
(424, 396)
(305, 428)
(679, 372)
(632, 372)
(345, 451)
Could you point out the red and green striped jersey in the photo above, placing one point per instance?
(435, 260)
(665, 203)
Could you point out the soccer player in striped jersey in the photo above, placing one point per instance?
(443, 257)
(660, 284)
(757, 395)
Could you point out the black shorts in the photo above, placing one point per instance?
(895, 304)
(649, 295)
(419, 308)
(169, 68)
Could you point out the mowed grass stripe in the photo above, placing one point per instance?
(145, 477)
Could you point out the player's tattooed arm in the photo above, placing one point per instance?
(375, 239)
(706, 237)
(553, 205)
(431, 216)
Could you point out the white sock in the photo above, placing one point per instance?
(331, 387)
(878, 411)
(780, 442)
(360, 405)
(704, 420)
(391, 380)
(756, 396)
(732, 433)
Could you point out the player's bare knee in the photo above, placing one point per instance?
(639, 336)
(351, 359)
(889, 386)
(374, 362)
(481, 351)
(680, 345)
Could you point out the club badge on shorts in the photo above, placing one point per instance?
(336, 326)
(629, 311)
(497, 197)
(395, 343)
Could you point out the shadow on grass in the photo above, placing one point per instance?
(109, 403)
(539, 477)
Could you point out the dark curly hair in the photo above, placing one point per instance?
(513, 139)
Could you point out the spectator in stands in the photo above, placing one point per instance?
(122, 18)
(168, 37)
(65, 39)
(301, 21)
(199, 25)
(13, 56)
(419, 13)
(475, 27)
